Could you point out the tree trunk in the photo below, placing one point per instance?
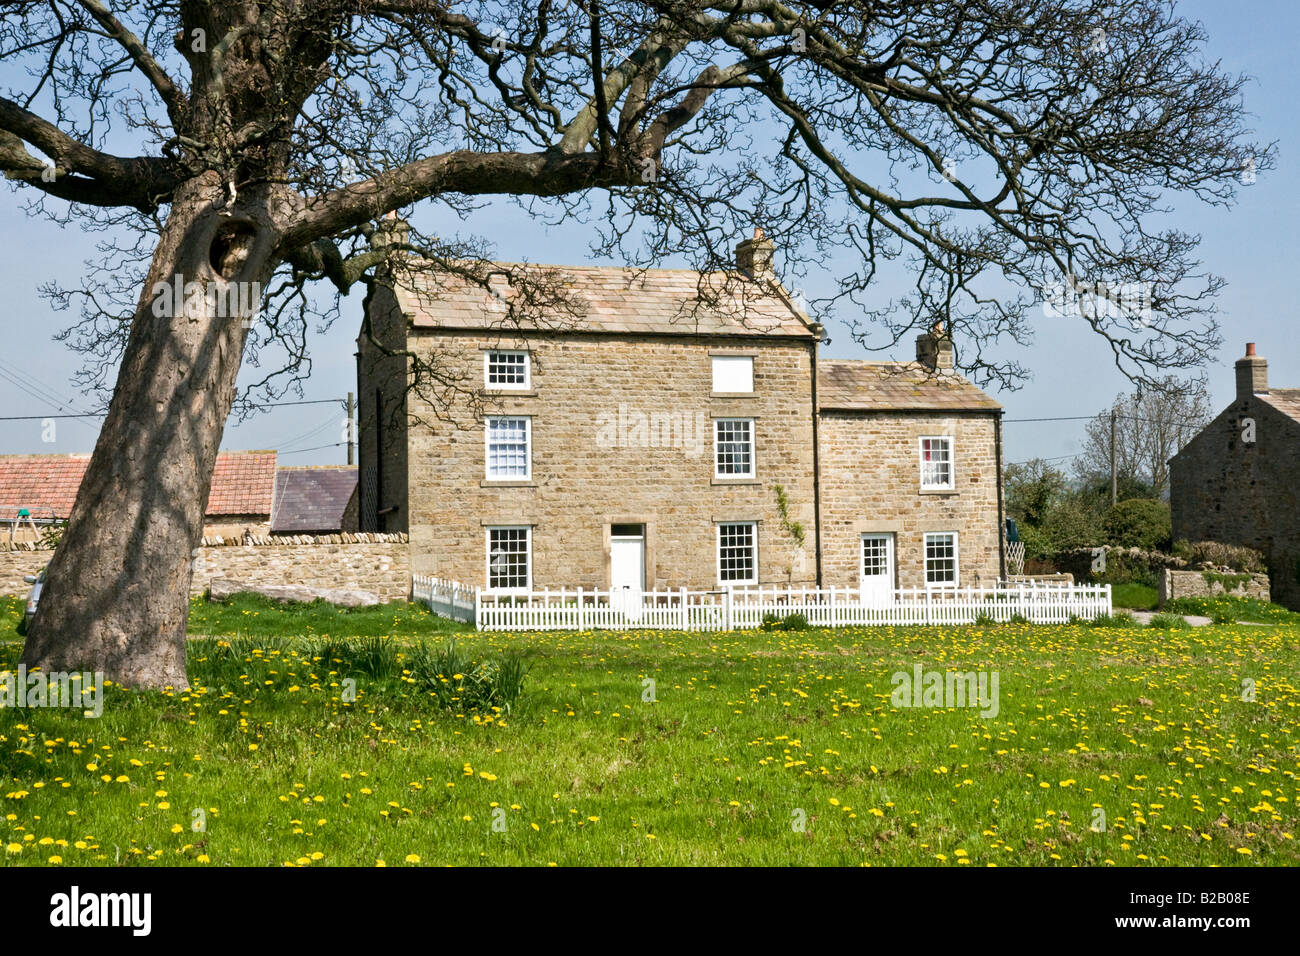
(116, 597)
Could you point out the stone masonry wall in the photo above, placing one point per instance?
(376, 563)
(596, 462)
(871, 482)
(1181, 584)
(1223, 488)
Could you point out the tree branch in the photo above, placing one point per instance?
(167, 89)
(142, 181)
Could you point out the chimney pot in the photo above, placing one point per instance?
(1250, 348)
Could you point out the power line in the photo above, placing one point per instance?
(33, 418)
(1099, 415)
(299, 451)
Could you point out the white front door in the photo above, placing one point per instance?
(627, 573)
(877, 581)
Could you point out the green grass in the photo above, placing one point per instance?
(745, 735)
(1137, 597)
(1227, 609)
(251, 615)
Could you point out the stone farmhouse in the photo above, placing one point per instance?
(680, 431)
(1235, 482)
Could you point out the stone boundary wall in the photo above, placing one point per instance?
(1180, 584)
(365, 561)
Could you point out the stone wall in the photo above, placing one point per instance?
(1181, 584)
(1235, 483)
(622, 433)
(369, 562)
(871, 482)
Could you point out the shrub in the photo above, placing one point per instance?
(1219, 555)
(1138, 523)
(1169, 622)
(457, 682)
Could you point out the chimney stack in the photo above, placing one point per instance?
(1252, 373)
(934, 349)
(754, 256)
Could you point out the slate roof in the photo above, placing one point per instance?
(610, 299)
(242, 483)
(311, 499)
(1285, 400)
(857, 385)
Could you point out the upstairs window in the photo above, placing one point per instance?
(509, 447)
(936, 464)
(733, 373)
(733, 448)
(507, 370)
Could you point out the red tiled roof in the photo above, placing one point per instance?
(607, 299)
(46, 485)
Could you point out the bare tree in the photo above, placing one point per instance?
(992, 144)
(1151, 425)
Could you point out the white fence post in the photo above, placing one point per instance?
(582, 614)
(726, 610)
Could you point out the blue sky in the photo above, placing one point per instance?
(1254, 246)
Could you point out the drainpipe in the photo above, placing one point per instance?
(1002, 538)
(817, 466)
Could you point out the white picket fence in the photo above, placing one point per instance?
(446, 598)
(737, 608)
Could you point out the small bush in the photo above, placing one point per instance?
(1168, 622)
(1138, 523)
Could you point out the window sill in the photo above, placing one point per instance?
(749, 395)
(735, 481)
(507, 483)
(945, 492)
(508, 392)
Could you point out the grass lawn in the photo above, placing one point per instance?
(748, 736)
(1135, 597)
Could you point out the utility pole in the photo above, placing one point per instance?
(351, 431)
(1114, 475)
